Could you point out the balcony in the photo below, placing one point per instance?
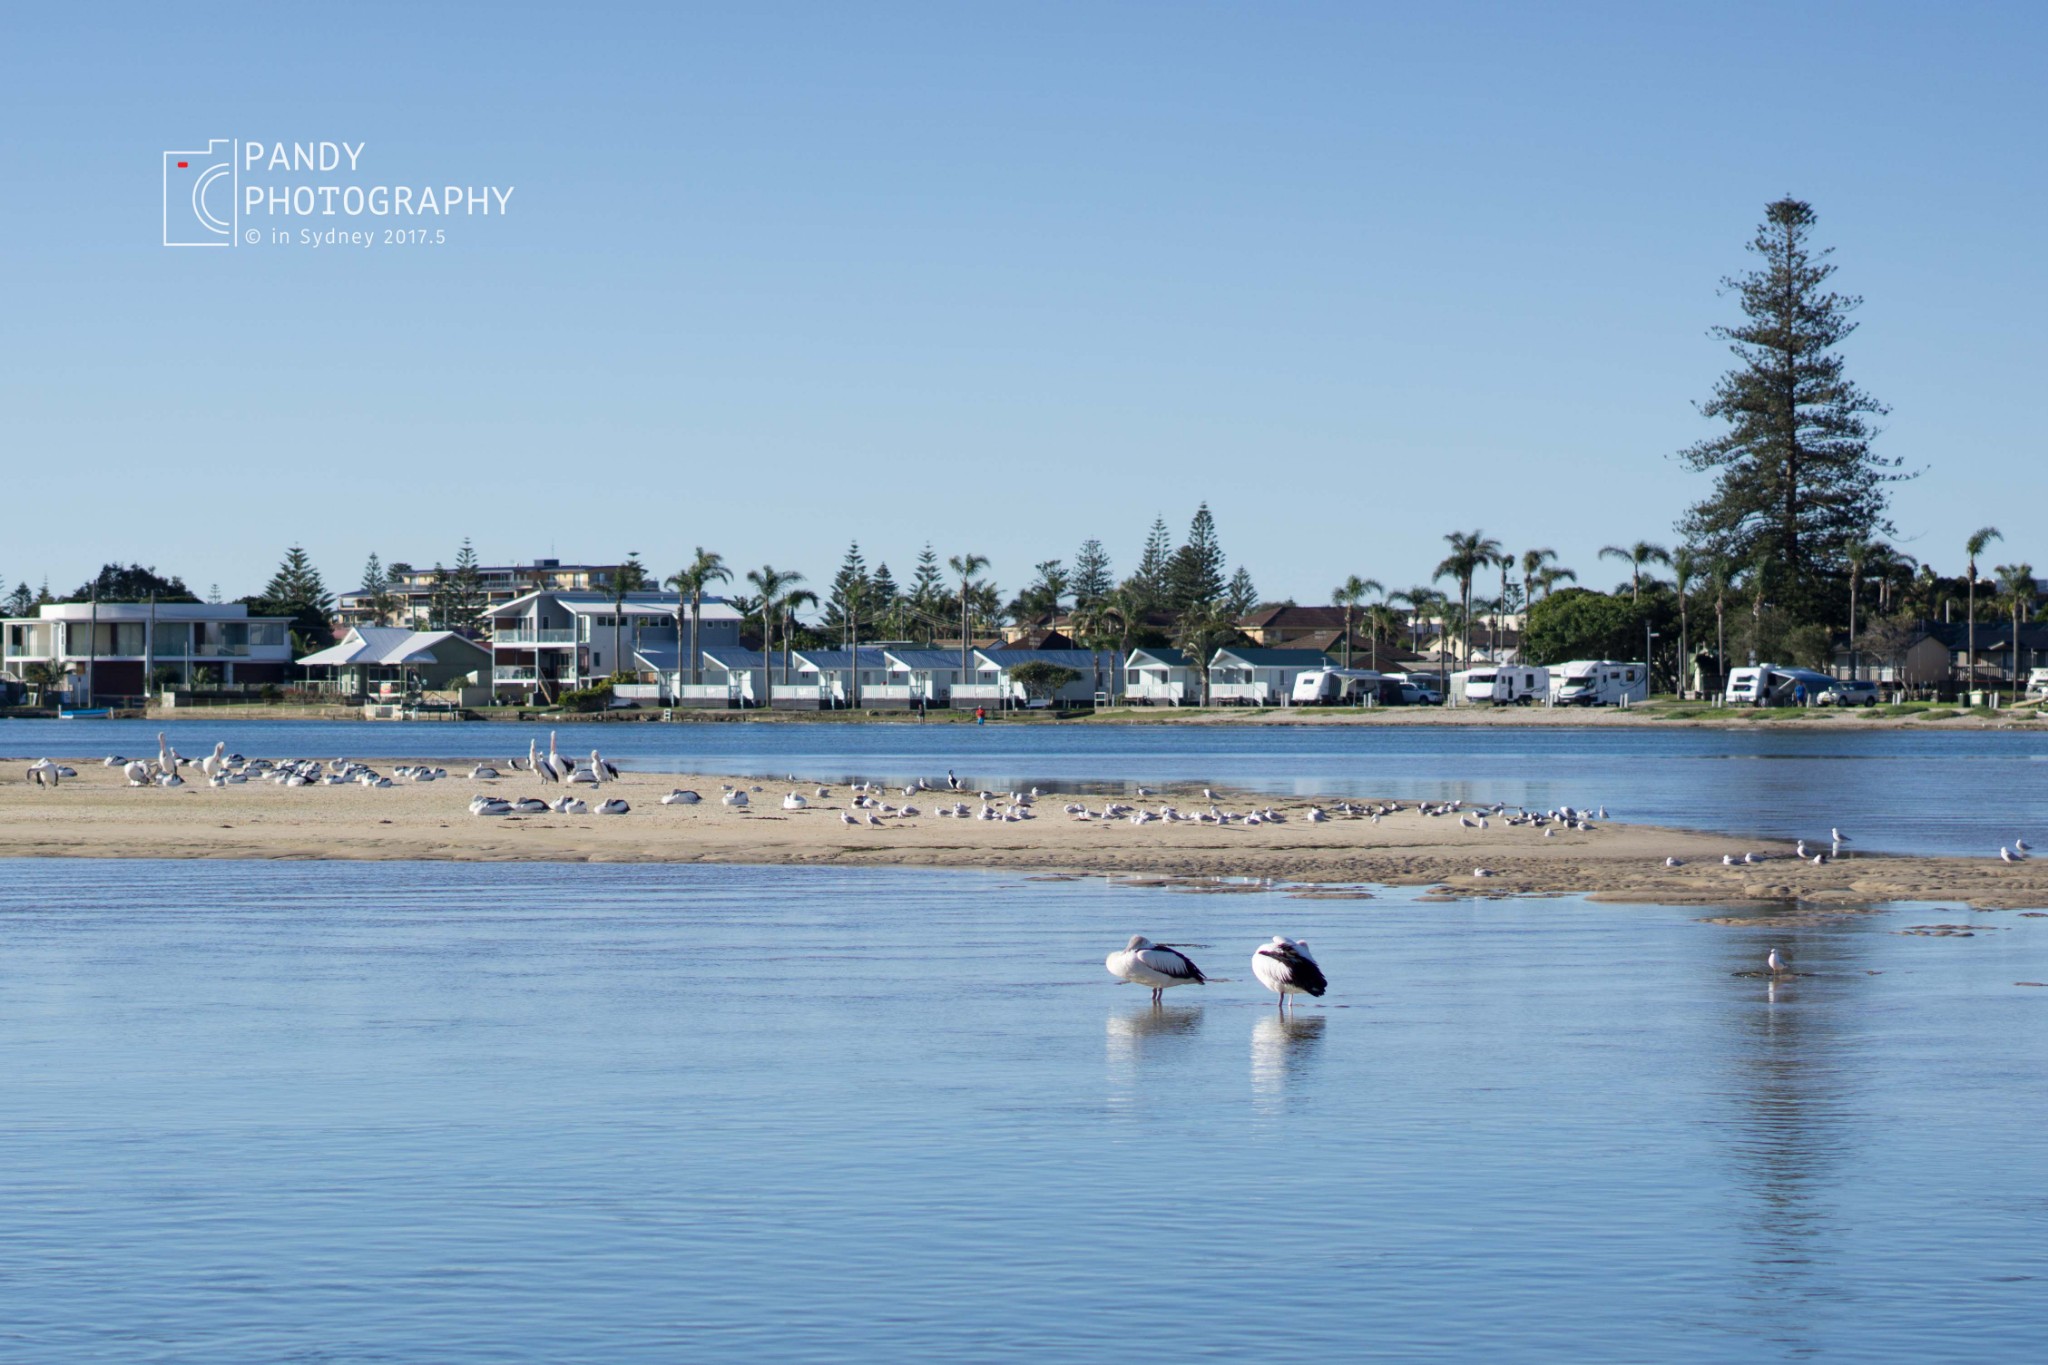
(526, 677)
(524, 636)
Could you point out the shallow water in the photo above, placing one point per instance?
(256, 1112)
(1892, 791)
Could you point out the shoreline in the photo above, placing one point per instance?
(96, 815)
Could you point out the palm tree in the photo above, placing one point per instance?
(1418, 599)
(1348, 595)
(705, 569)
(2016, 581)
(966, 567)
(796, 597)
(1548, 578)
(1380, 619)
(1532, 564)
(1857, 554)
(1983, 537)
(770, 583)
(1636, 556)
(1718, 583)
(1759, 579)
(1200, 631)
(627, 578)
(1685, 569)
(1471, 551)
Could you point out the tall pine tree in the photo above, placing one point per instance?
(466, 596)
(1149, 584)
(850, 598)
(1091, 579)
(1796, 482)
(1195, 578)
(930, 595)
(296, 590)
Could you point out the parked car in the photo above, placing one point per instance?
(1420, 694)
(1848, 692)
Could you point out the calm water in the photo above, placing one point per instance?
(1891, 790)
(263, 1112)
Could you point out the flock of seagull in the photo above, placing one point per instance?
(871, 806)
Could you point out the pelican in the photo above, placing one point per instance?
(794, 801)
(483, 772)
(562, 766)
(1145, 963)
(734, 798)
(1777, 964)
(569, 805)
(679, 797)
(540, 767)
(216, 762)
(1286, 967)
(163, 755)
(43, 773)
(137, 773)
(489, 805)
(613, 807)
(528, 805)
(605, 771)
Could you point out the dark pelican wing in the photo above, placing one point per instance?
(1171, 962)
(1302, 972)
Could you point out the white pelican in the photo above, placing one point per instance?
(794, 801)
(163, 755)
(540, 767)
(570, 805)
(137, 773)
(679, 797)
(605, 771)
(529, 805)
(1286, 967)
(489, 805)
(734, 798)
(483, 772)
(216, 762)
(562, 767)
(1155, 965)
(43, 773)
(1777, 964)
(613, 807)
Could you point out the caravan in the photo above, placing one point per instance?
(1599, 682)
(1337, 687)
(1503, 685)
(1773, 685)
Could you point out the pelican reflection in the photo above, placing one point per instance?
(1146, 1037)
(1283, 1047)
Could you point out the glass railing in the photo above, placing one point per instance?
(533, 637)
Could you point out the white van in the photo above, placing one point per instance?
(1599, 682)
(1334, 687)
(2037, 682)
(1502, 685)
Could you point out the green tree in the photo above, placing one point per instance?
(887, 605)
(296, 591)
(1533, 563)
(849, 585)
(1045, 593)
(1091, 579)
(1979, 540)
(466, 596)
(1154, 566)
(1685, 572)
(376, 591)
(630, 577)
(1578, 623)
(929, 595)
(2016, 588)
(1794, 469)
(1242, 597)
(1471, 551)
(1201, 630)
(1384, 622)
(1348, 595)
(772, 587)
(704, 569)
(132, 583)
(1858, 555)
(1636, 555)
(965, 567)
(1041, 679)
(21, 602)
(1194, 575)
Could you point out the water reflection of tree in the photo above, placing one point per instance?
(1792, 1129)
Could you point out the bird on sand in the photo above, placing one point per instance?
(1155, 965)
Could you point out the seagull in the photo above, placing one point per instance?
(1286, 967)
(1145, 963)
(2004, 854)
(846, 817)
(1728, 860)
(2021, 845)
(1674, 862)
(1482, 872)
(1777, 964)
(1840, 837)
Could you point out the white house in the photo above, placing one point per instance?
(115, 651)
(371, 658)
(1161, 677)
(1243, 675)
(916, 676)
(545, 643)
(832, 671)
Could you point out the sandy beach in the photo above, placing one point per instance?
(97, 815)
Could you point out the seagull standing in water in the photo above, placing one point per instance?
(1778, 965)
(1145, 963)
(1286, 967)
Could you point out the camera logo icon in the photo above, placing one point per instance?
(199, 196)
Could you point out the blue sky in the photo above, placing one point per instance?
(777, 277)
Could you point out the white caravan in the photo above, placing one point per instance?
(1501, 685)
(1772, 685)
(1334, 687)
(2037, 682)
(1599, 682)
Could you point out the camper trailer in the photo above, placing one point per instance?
(1502, 685)
(1773, 685)
(1336, 687)
(2037, 682)
(1599, 682)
